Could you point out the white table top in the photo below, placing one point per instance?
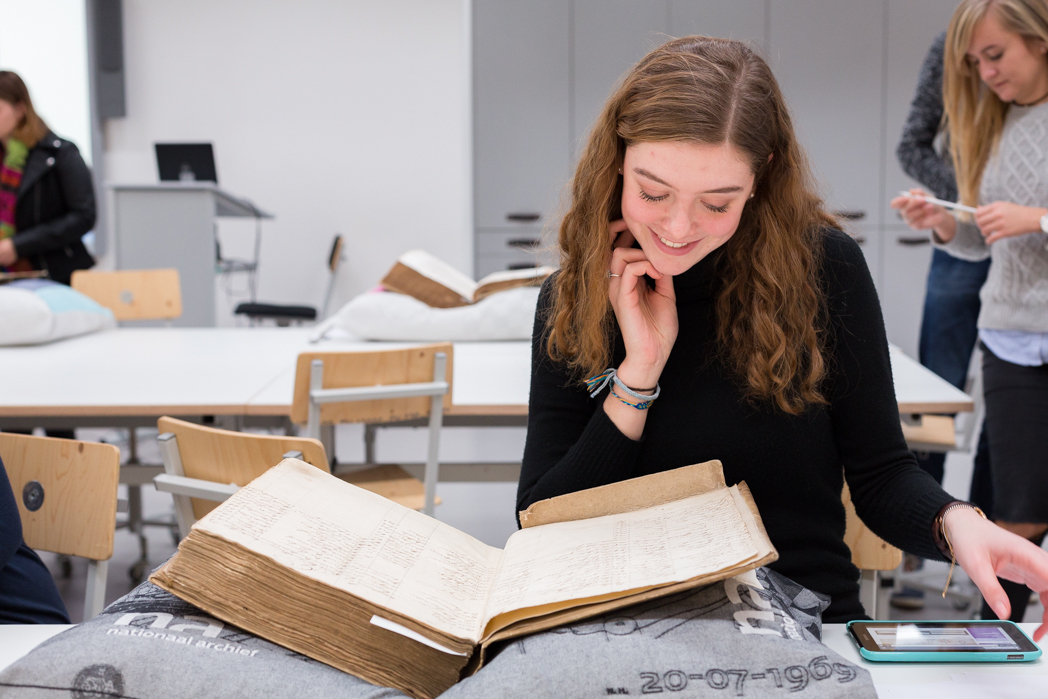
(18, 639)
(918, 390)
(487, 378)
(147, 371)
(250, 371)
(923, 680)
(920, 680)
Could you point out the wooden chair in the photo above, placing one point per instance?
(285, 315)
(143, 294)
(374, 388)
(135, 295)
(67, 496)
(204, 466)
(870, 554)
(930, 433)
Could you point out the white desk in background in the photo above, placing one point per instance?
(918, 680)
(131, 376)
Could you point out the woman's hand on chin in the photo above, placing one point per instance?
(647, 317)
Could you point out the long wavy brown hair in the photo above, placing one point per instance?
(770, 308)
(974, 114)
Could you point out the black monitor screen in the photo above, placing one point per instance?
(187, 162)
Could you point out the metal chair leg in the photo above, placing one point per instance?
(869, 585)
(94, 600)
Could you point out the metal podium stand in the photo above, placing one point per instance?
(172, 224)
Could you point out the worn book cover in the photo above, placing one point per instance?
(349, 578)
(434, 282)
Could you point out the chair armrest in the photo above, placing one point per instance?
(194, 487)
(400, 390)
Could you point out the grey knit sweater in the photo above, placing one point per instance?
(1015, 296)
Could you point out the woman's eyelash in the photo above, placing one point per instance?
(715, 209)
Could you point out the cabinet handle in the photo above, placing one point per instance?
(521, 265)
(913, 240)
(523, 243)
(523, 217)
(860, 239)
(850, 215)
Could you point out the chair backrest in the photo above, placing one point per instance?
(869, 551)
(358, 369)
(335, 256)
(72, 485)
(145, 294)
(222, 456)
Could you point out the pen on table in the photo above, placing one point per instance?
(941, 202)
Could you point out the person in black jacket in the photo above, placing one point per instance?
(706, 308)
(54, 200)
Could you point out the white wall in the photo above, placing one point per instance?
(336, 115)
(45, 42)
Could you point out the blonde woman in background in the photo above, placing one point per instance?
(995, 93)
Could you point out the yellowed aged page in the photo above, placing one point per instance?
(588, 558)
(626, 496)
(362, 543)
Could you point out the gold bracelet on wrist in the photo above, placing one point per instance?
(942, 531)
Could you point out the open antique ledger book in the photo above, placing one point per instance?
(356, 581)
(438, 284)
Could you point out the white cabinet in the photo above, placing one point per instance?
(745, 20)
(609, 37)
(912, 26)
(828, 57)
(521, 97)
(907, 255)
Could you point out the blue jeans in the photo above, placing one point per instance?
(948, 336)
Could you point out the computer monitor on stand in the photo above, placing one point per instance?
(186, 162)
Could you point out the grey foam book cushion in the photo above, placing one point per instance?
(724, 640)
(150, 644)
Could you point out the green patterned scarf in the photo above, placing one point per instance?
(10, 178)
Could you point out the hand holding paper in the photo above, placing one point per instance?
(920, 212)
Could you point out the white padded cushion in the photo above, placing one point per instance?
(384, 315)
(37, 311)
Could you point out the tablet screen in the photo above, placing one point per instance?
(911, 637)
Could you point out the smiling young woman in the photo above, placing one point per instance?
(733, 118)
(703, 285)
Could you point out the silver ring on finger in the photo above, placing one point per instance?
(612, 274)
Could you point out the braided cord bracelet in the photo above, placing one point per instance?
(596, 384)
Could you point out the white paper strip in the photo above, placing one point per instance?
(413, 635)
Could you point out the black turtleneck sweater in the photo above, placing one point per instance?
(794, 465)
